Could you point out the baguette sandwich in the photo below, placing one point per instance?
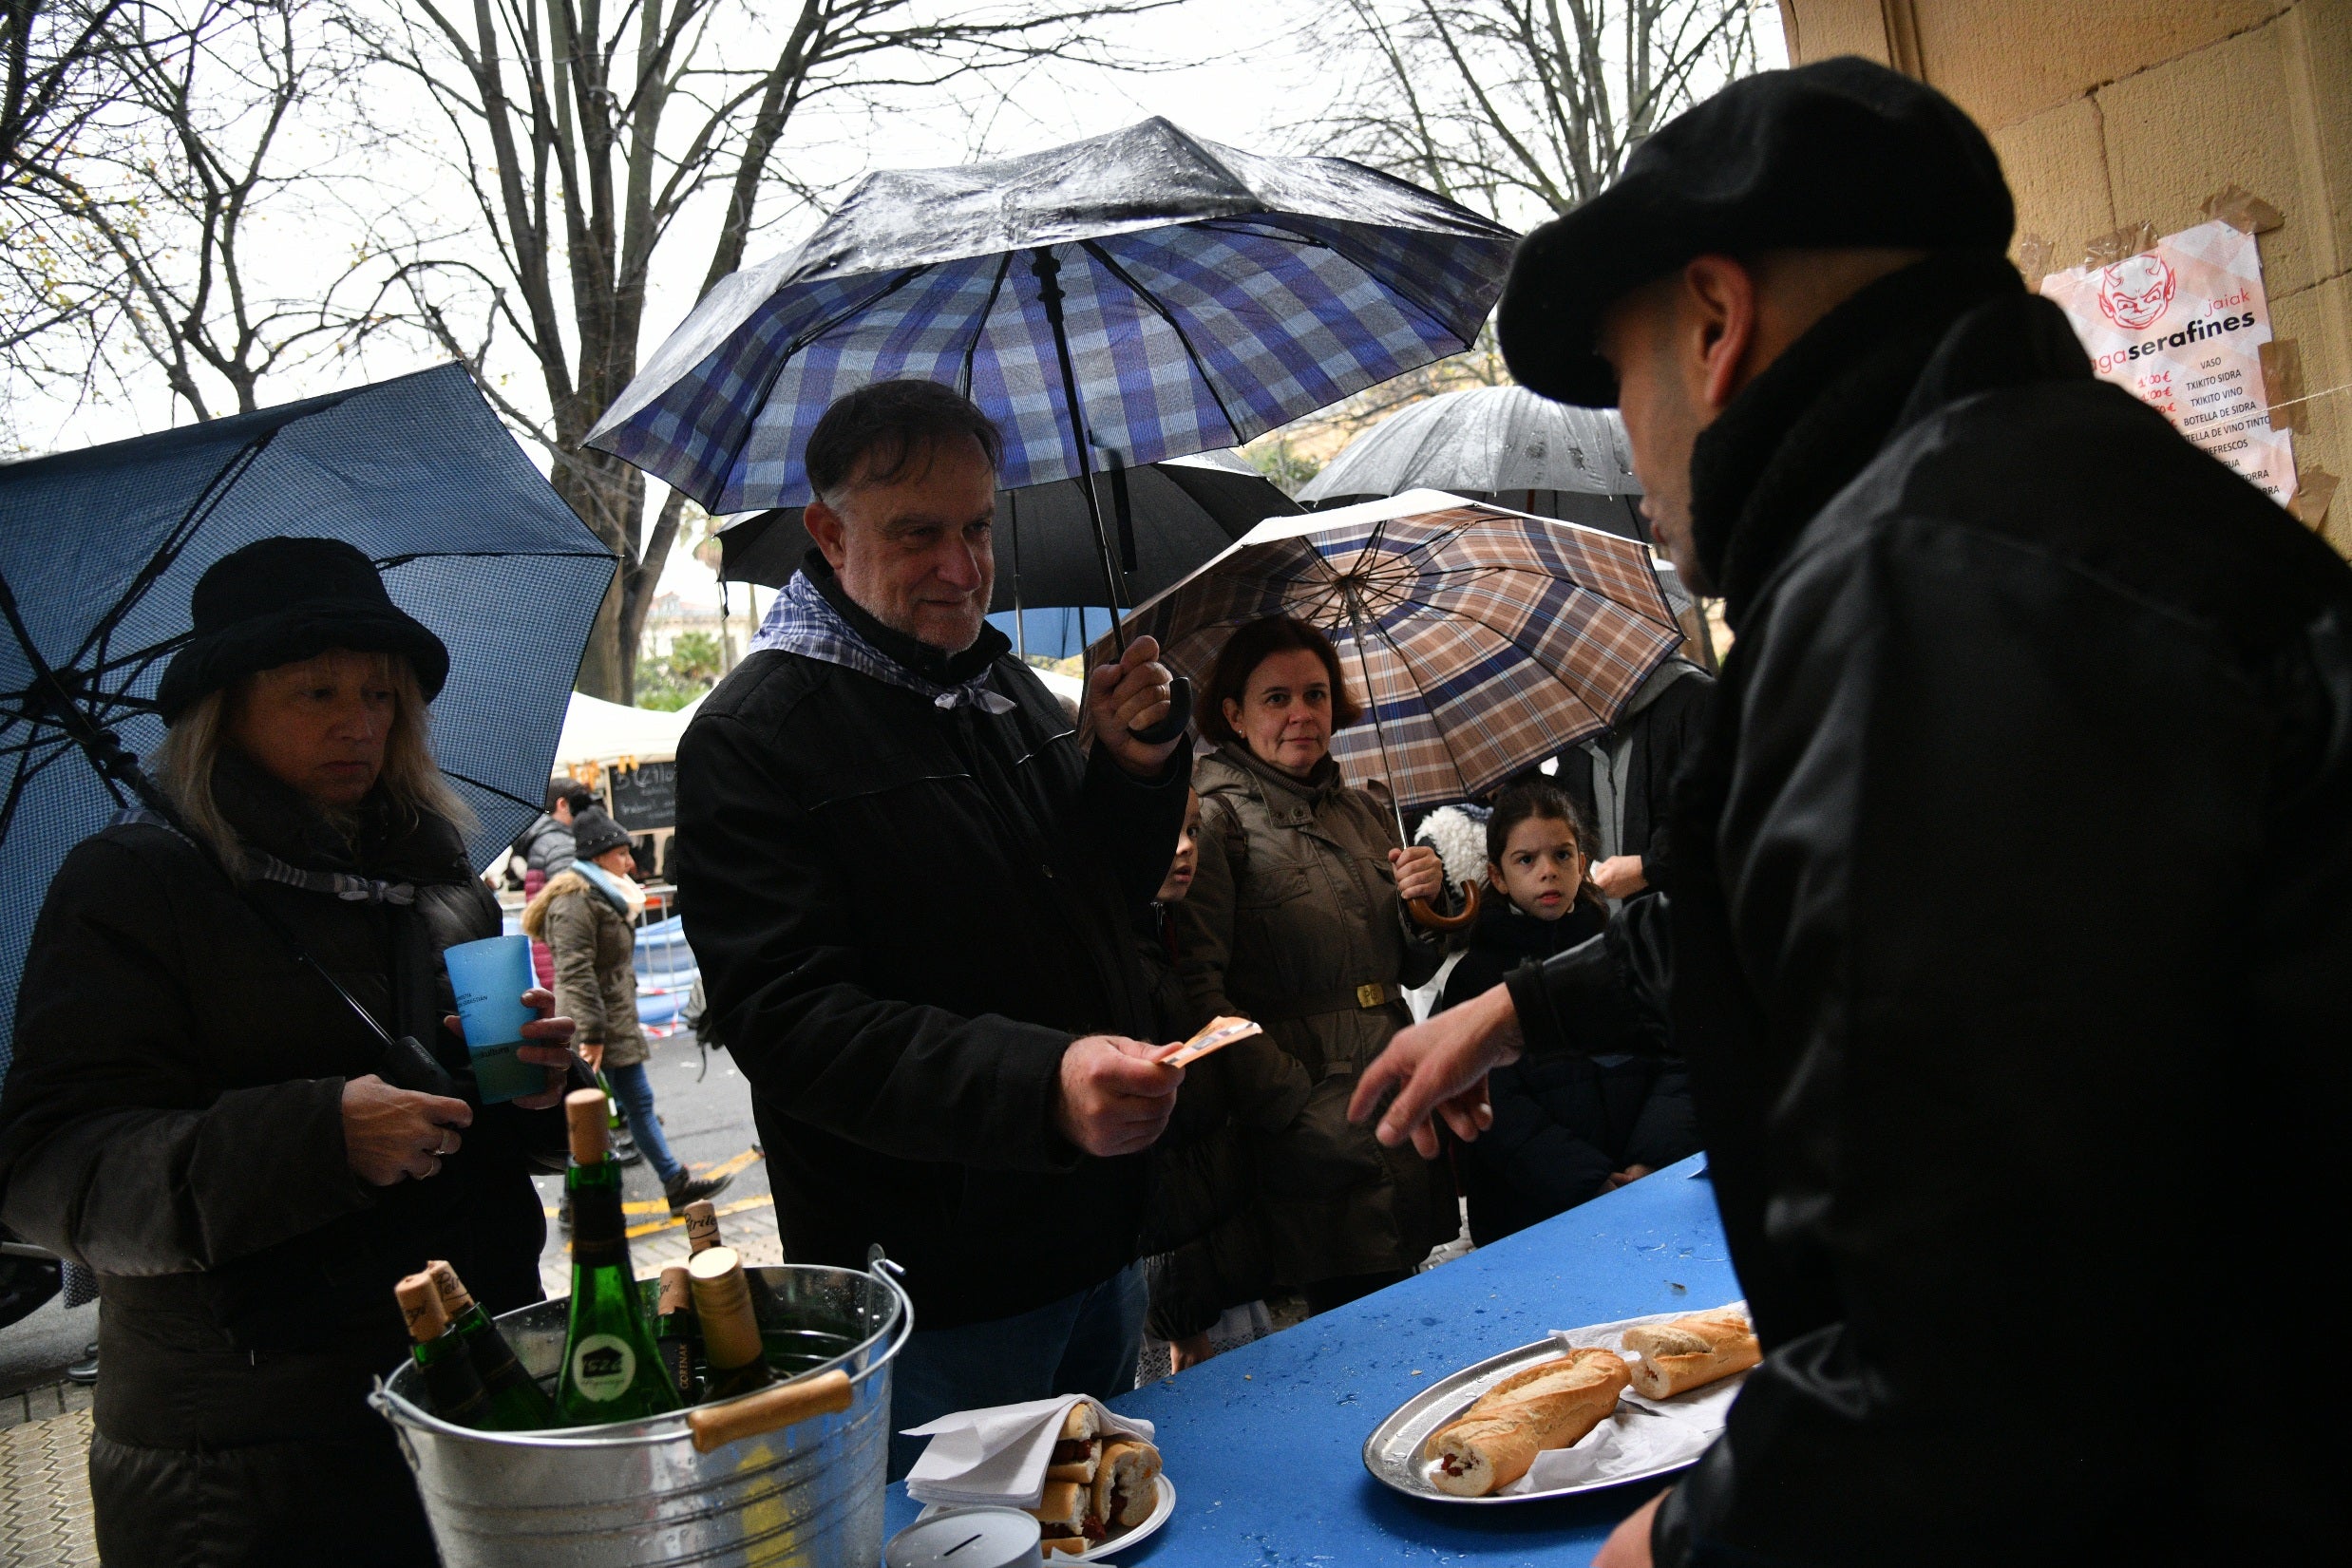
(1080, 1450)
(1125, 1488)
(1063, 1514)
(1550, 1405)
(1690, 1352)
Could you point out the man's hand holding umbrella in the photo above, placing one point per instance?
(1129, 696)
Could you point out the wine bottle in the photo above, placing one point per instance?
(455, 1393)
(736, 1361)
(612, 1369)
(702, 1226)
(676, 1330)
(518, 1403)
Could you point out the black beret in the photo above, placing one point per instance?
(1839, 153)
(282, 600)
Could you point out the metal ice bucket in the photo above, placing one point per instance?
(808, 1495)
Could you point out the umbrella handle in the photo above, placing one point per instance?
(1179, 714)
(1425, 913)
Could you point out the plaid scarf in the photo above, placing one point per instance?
(267, 867)
(801, 622)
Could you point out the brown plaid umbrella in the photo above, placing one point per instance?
(1484, 640)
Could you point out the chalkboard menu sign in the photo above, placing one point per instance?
(645, 796)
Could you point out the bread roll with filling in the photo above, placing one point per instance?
(1079, 1448)
(1124, 1490)
(1690, 1352)
(1550, 1405)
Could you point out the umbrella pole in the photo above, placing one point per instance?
(1179, 714)
(1020, 618)
(1047, 272)
(1424, 913)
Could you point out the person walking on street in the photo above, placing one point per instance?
(1297, 920)
(547, 847)
(911, 892)
(195, 1115)
(585, 916)
(2022, 818)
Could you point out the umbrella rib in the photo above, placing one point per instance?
(216, 490)
(980, 328)
(491, 788)
(1110, 265)
(1405, 662)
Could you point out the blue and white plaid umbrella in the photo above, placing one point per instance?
(1183, 296)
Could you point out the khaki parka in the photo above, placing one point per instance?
(596, 951)
(1294, 921)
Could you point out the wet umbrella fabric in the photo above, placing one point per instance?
(1206, 295)
(1500, 444)
(99, 548)
(1172, 517)
(1483, 639)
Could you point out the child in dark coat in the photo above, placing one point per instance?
(1566, 1129)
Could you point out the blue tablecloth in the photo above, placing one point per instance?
(1265, 1444)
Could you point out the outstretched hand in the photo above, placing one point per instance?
(1439, 1068)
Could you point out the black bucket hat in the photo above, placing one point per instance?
(282, 600)
(1840, 153)
(594, 832)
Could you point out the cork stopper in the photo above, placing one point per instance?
(702, 1226)
(584, 1112)
(731, 1331)
(420, 1303)
(676, 1293)
(455, 1297)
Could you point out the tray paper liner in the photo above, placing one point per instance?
(1645, 1435)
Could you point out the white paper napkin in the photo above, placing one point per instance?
(999, 1454)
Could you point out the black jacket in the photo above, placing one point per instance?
(903, 915)
(1564, 1121)
(1661, 735)
(173, 1120)
(2021, 832)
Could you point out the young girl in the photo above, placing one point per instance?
(1567, 1129)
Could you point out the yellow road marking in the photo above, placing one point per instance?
(658, 1205)
(762, 1201)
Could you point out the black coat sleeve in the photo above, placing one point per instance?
(1605, 996)
(766, 907)
(118, 1146)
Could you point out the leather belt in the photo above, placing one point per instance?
(1371, 996)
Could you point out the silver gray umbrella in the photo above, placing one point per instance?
(1502, 443)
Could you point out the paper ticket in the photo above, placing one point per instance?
(1215, 1036)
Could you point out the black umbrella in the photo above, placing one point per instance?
(1169, 518)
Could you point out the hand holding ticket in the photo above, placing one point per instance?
(1215, 1036)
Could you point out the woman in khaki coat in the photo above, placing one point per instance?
(584, 914)
(1297, 920)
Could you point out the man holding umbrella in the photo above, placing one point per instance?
(909, 888)
(2023, 815)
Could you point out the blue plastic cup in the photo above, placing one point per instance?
(489, 978)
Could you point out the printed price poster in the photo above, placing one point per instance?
(2181, 326)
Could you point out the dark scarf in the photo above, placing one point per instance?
(383, 843)
(1799, 433)
(932, 663)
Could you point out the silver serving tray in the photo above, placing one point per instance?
(1393, 1452)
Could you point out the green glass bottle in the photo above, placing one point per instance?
(451, 1385)
(735, 1360)
(518, 1403)
(677, 1333)
(612, 1369)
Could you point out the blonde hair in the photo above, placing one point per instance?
(412, 781)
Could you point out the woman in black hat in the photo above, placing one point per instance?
(199, 1116)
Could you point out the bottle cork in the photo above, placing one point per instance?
(676, 1293)
(584, 1112)
(420, 1303)
(731, 1331)
(702, 1226)
(455, 1297)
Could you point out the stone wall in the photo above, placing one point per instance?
(2112, 113)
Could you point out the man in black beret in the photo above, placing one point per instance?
(2021, 830)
